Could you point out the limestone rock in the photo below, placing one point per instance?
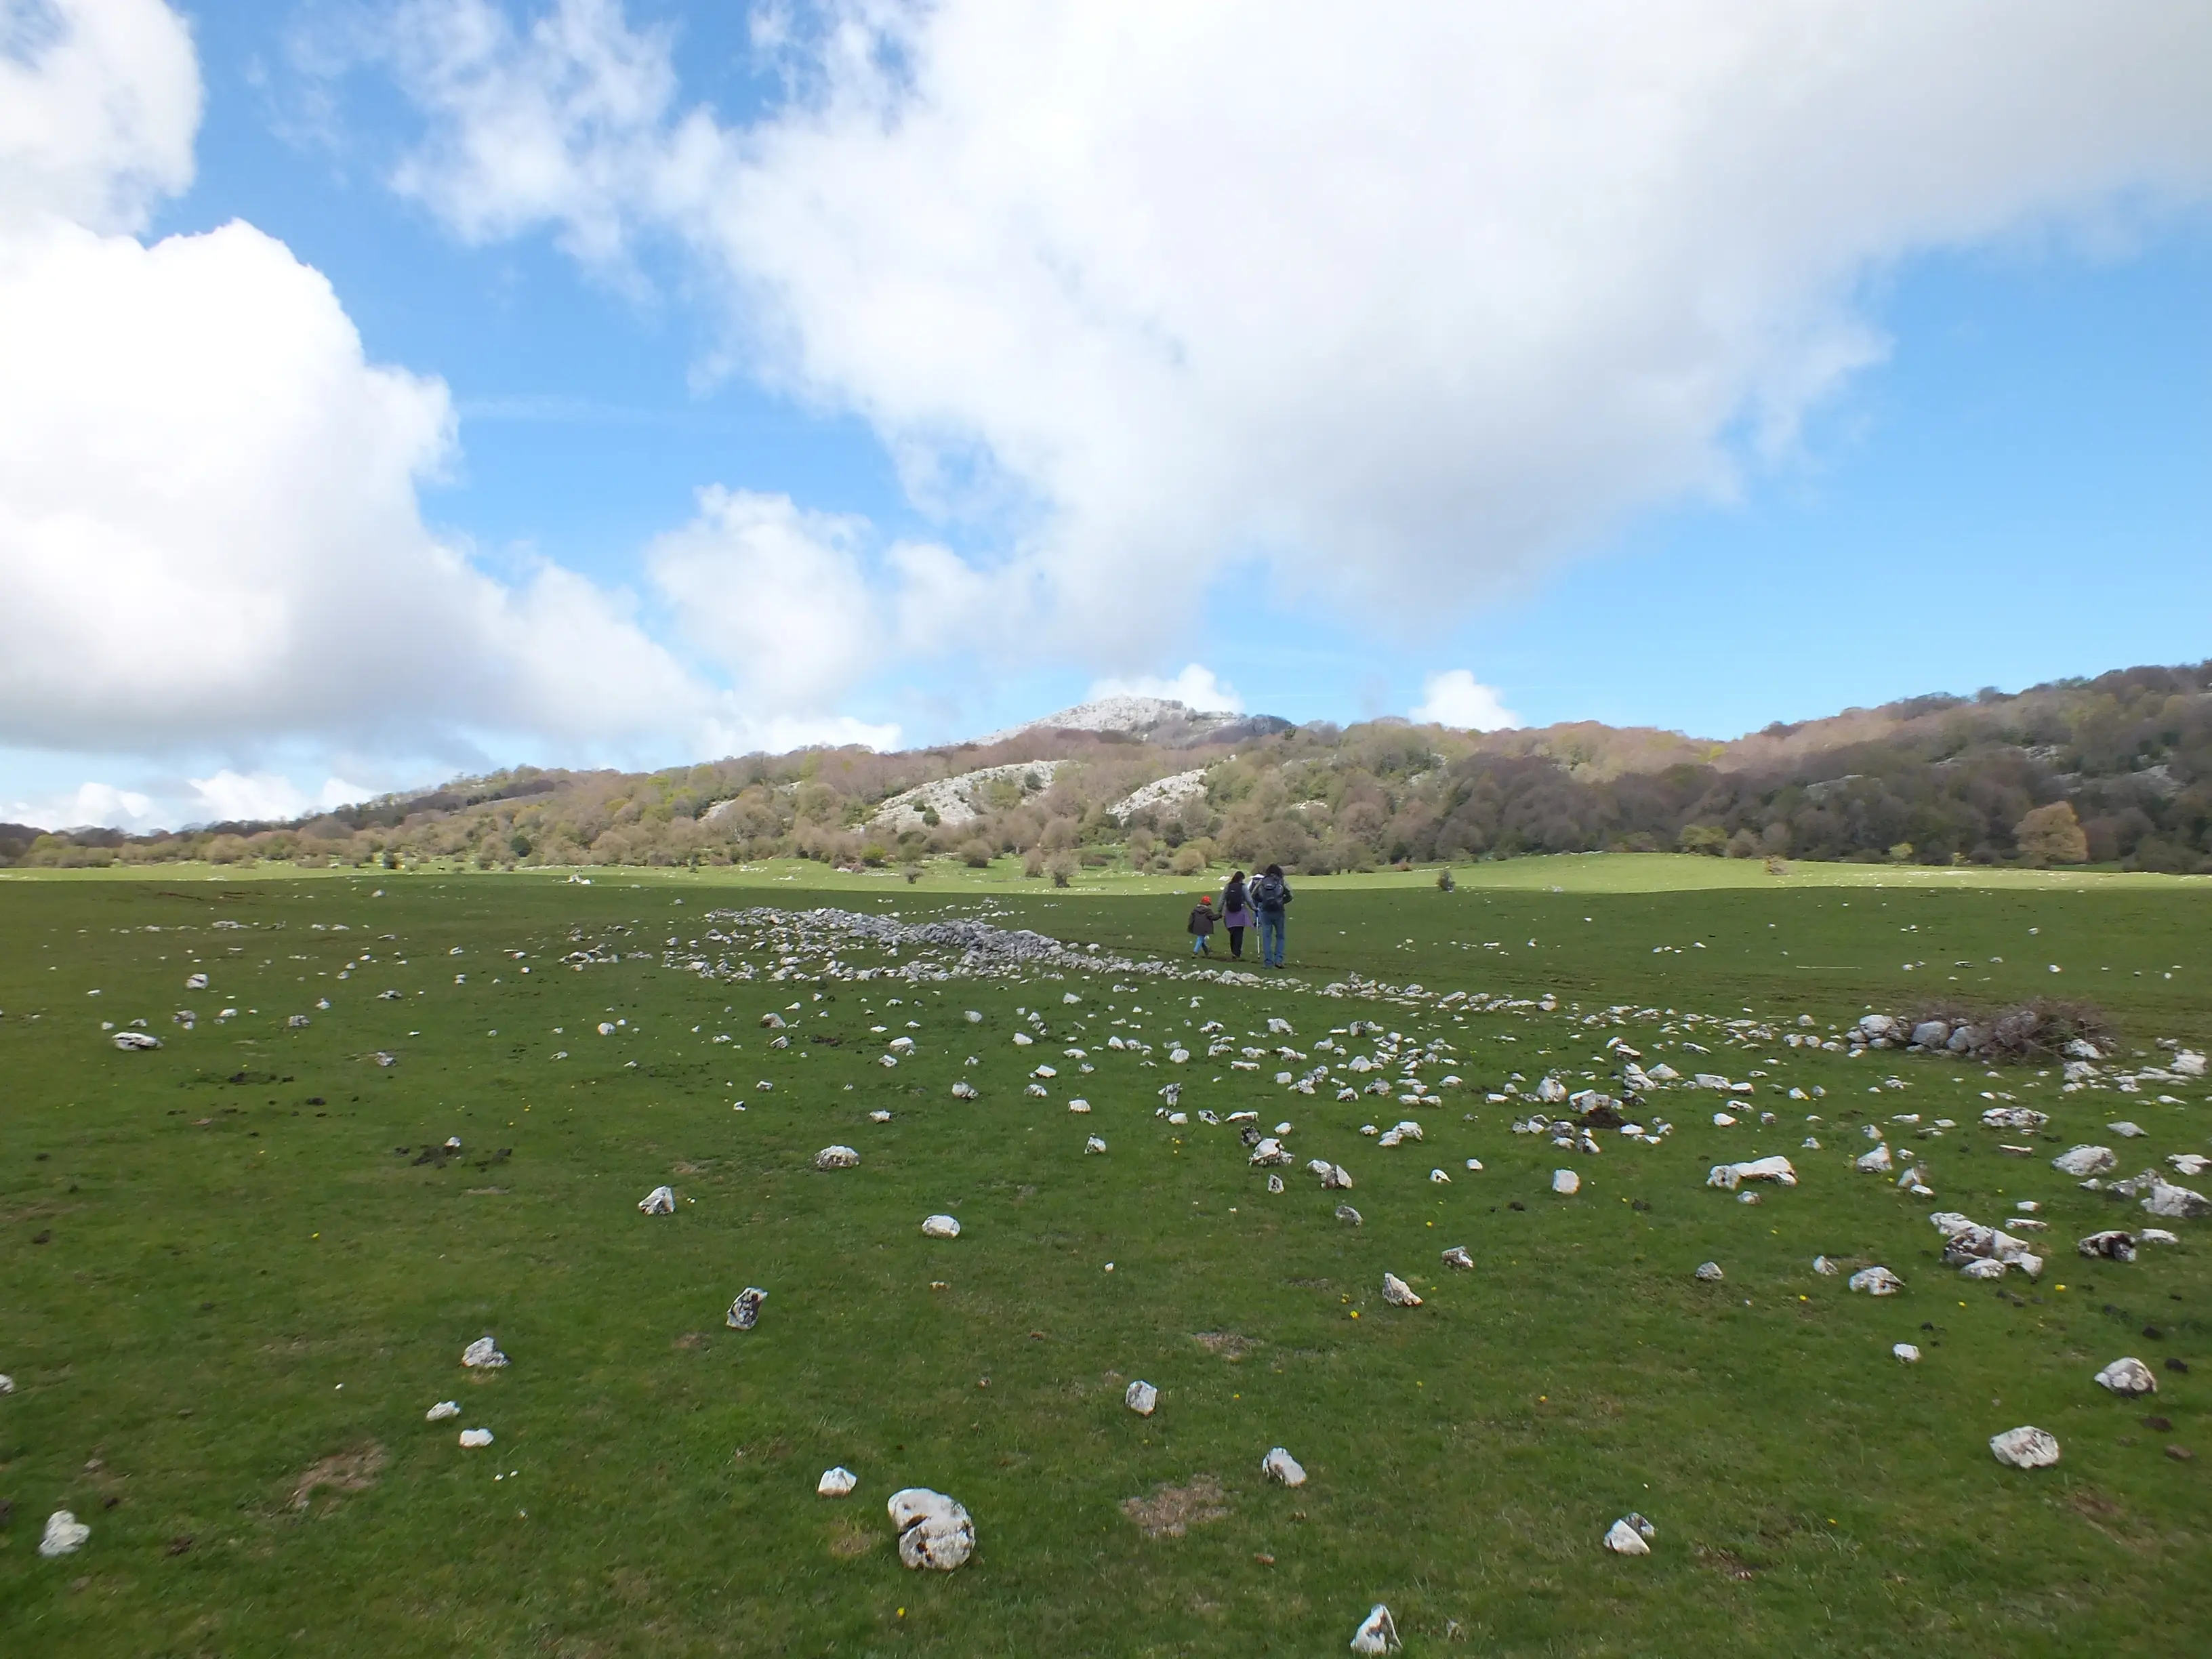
(1336, 1179)
(2079, 1161)
(1825, 1267)
(1457, 1257)
(1623, 1539)
(1727, 1177)
(661, 1201)
(1275, 1184)
(934, 1532)
(2113, 1245)
(1269, 1151)
(1141, 1398)
(1377, 1633)
(2176, 1203)
(2019, 1118)
(125, 1041)
(836, 1157)
(939, 1226)
(1437, 1177)
(1983, 1268)
(1877, 1162)
(2025, 1448)
(474, 1437)
(1566, 1183)
(443, 1409)
(1092, 1144)
(64, 1535)
(835, 1483)
(1348, 1216)
(963, 1090)
(744, 1312)
(1280, 1465)
(1710, 1273)
(1876, 1281)
(1398, 1293)
(2128, 1377)
(482, 1354)
(1906, 1353)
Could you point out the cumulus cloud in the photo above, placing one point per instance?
(1196, 685)
(1408, 298)
(210, 535)
(1455, 698)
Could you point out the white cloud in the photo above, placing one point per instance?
(88, 803)
(211, 536)
(1395, 300)
(1457, 699)
(1196, 685)
(233, 796)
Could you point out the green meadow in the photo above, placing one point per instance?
(240, 1269)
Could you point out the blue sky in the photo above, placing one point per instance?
(1993, 465)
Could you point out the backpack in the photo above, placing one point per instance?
(1270, 893)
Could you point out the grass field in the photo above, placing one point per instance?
(235, 1283)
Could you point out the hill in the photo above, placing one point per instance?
(2116, 770)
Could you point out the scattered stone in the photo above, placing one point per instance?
(64, 1535)
(1348, 1216)
(836, 1157)
(1093, 1145)
(1710, 1273)
(1876, 1281)
(744, 1312)
(1906, 1353)
(1437, 1177)
(1377, 1633)
(1623, 1539)
(939, 1226)
(835, 1483)
(1983, 1268)
(482, 1354)
(2126, 1130)
(2112, 1244)
(1269, 1151)
(1275, 1185)
(441, 1411)
(2128, 1376)
(125, 1041)
(661, 1201)
(474, 1437)
(1334, 1179)
(1566, 1183)
(1825, 1267)
(2025, 1448)
(963, 1090)
(2019, 1118)
(2147, 1235)
(2079, 1161)
(934, 1533)
(1398, 1293)
(196, 981)
(1280, 1465)
(879, 1117)
(1141, 1398)
(1457, 1257)
(1877, 1162)
(2175, 1203)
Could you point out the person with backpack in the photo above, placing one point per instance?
(1236, 913)
(1201, 925)
(1271, 895)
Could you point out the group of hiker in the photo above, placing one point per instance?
(1265, 898)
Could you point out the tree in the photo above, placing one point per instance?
(1062, 867)
(1189, 861)
(2051, 834)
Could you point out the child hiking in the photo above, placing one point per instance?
(1271, 896)
(1201, 926)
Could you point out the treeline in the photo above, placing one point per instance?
(2116, 770)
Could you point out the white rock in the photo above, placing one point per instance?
(482, 1354)
(64, 1535)
(2079, 1161)
(1876, 1281)
(661, 1201)
(2189, 1163)
(126, 1041)
(1877, 1162)
(2189, 1063)
(606, 1028)
(2176, 1203)
(934, 1532)
(1474, 1163)
(1456, 1256)
(744, 1312)
(939, 1226)
(1624, 1539)
(1906, 1353)
(1280, 1465)
(1141, 1398)
(1398, 1293)
(2113, 1245)
(2147, 1235)
(1983, 1268)
(1566, 1183)
(1825, 1267)
(1269, 1151)
(473, 1438)
(2126, 1130)
(1376, 1633)
(1336, 1179)
(1710, 1272)
(2129, 1376)
(835, 1483)
(1349, 1217)
(1722, 1121)
(441, 1411)
(2014, 1117)
(2025, 1448)
(1093, 1145)
(963, 1090)
(1274, 1183)
(7, 1383)
(1439, 1178)
(836, 1157)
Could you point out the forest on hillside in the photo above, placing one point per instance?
(2114, 770)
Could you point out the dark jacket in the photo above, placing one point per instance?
(1270, 894)
(1201, 919)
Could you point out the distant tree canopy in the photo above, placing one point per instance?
(2113, 770)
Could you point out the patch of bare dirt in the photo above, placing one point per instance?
(851, 1538)
(1226, 1344)
(1170, 1511)
(342, 1472)
(1728, 1564)
(692, 1341)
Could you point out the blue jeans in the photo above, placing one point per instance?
(1271, 938)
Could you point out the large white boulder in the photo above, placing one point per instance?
(1141, 1397)
(2129, 1376)
(1876, 1281)
(1729, 1176)
(941, 1226)
(836, 1157)
(935, 1532)
(661, 1201)
(2081, 1161)
(2025, 1448)
(1280, 1465)
(65, 1534)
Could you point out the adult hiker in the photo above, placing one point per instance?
(1202, 927)
(1271, 895)
(1236, 913)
